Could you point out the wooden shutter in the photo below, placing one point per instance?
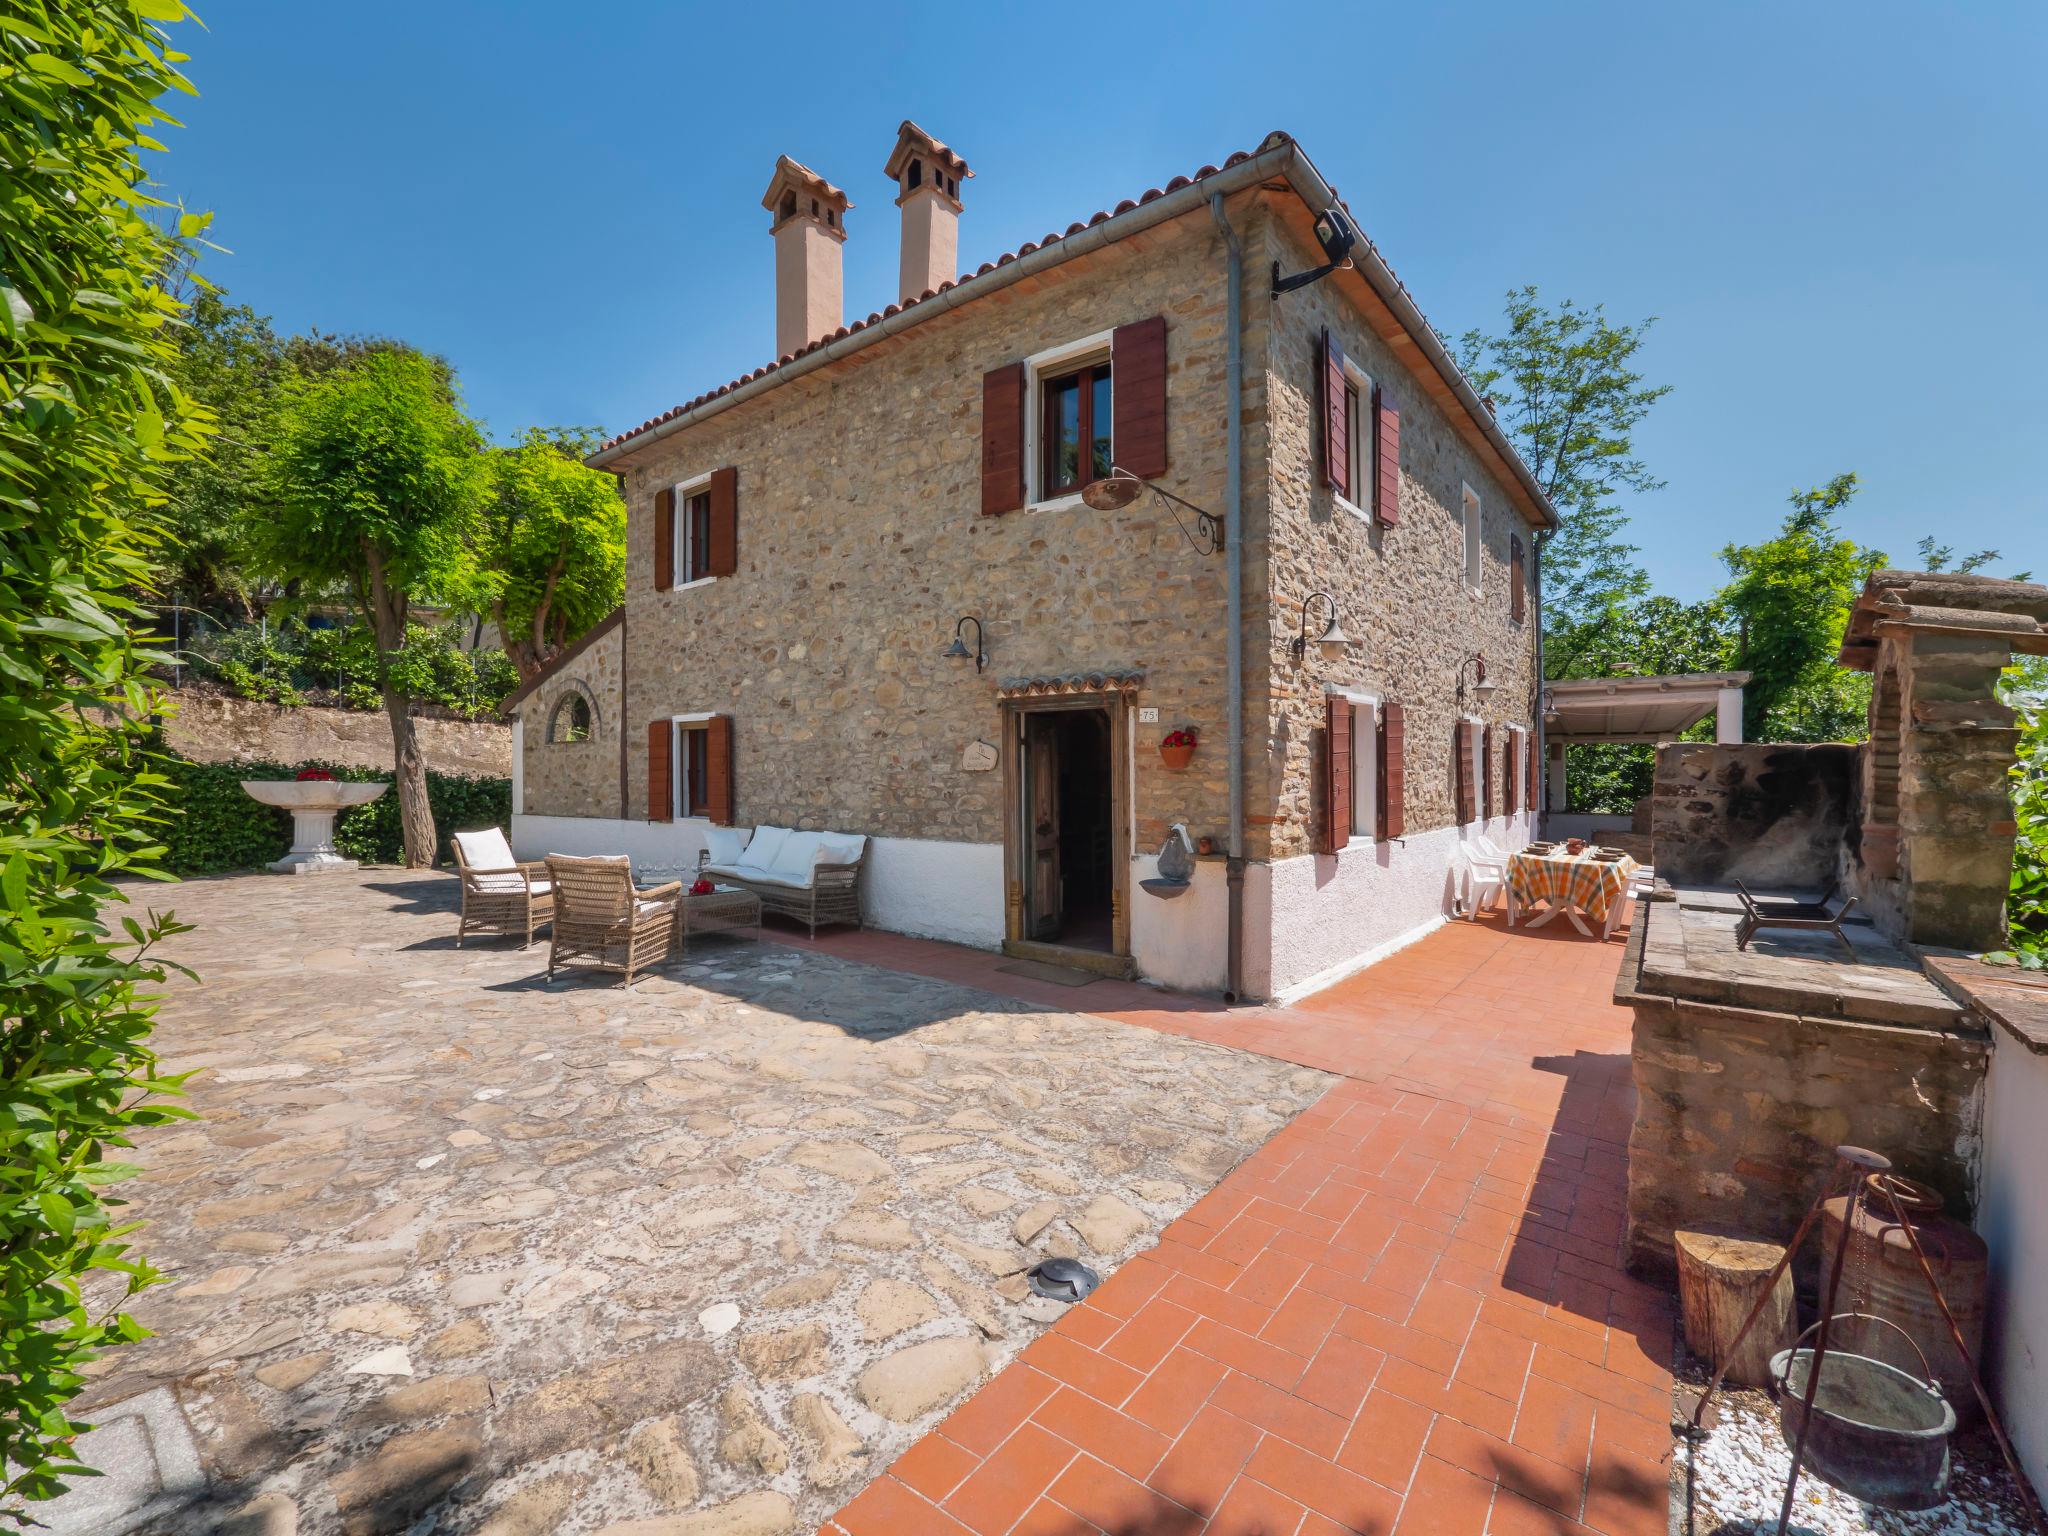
(1137, 392)
(1386, 486)
(718, 788)
(1336, 774)
(660, 789)
(1461, 750)
(1518, 575)
(1486, 773)
(664, 538)
(722, 557)
(1393, 748)
(1336, 426)
(1511, 781)
(1002, 439)
(1535, 776)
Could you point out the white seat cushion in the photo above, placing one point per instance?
(725, 845)
(755, 872)
(715, 868)
(506, 883)
(649, 908)
(485, 849)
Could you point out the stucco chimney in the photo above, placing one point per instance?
(809, 227)
(927, 176)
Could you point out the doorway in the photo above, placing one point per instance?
(1068, 831)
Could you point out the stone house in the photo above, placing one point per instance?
(807, 542)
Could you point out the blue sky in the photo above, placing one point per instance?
(1839, 213)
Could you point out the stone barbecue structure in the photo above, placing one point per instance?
(805, 542)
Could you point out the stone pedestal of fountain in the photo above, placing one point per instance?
(314, 803)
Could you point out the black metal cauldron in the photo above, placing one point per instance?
(1878, 1433)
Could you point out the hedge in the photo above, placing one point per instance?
(215, 827)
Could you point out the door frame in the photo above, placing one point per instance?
(1117, 705)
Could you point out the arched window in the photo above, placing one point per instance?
(571, 720)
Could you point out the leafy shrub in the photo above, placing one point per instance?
(337, 665)
(1608, 778)
(220, 829)
(2027, 905)
(88, 432)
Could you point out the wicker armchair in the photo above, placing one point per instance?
(499, 894)
(602, 921)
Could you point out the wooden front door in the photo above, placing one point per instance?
(1042, 825)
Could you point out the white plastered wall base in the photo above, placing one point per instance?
(926, 888)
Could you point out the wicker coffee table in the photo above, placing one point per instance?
(727, 909)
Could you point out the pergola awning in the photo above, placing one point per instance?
(1642, 709)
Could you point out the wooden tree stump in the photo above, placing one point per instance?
(1720, 1276)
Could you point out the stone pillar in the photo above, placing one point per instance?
(1728, 715)
(1555, 795)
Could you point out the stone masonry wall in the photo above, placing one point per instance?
(208, 728)
(1767, 814)
(861, 542)
(581, 778)
(1739, 1112)
(1400, 591)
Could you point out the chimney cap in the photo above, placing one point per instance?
(795, 176)
(913, 140)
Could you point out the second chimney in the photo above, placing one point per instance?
(809, 228)
(927, 176)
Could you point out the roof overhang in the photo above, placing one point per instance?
(591, 636)
(1632, 709)
(1279, 160)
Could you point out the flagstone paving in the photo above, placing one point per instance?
(456, 1250)
(1404, 1314)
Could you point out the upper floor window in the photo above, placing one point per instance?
(1473, 546)
(1075, 432)
(693, 536)
(1356, 486)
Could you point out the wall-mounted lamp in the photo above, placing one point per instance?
(958, 651)
(1333, 640)
(1119, 488)
(1481, 689)
(1336, 235)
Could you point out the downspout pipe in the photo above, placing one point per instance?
(1233, 566)
(1541, 745)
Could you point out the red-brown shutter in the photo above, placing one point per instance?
(1461, 750)
(718, 789)
(1137, 391)
(1336, 827)
(1393, 745)
(1336, 426)
(660, 801)
(1518, 575)
(722, 557)
(1510, 781)
(1386, 491)
(1535, 776)
(664, 538)
(1002, 439)
(1486, 773)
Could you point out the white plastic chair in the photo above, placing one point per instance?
(1640, 884)
(1487, 849)
(1482, 880)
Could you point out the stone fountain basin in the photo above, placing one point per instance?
(312, 794)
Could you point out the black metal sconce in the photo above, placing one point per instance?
(1333, 640)
(1119, 488)
(1336, 235)
(1481, 689)
(958, 651)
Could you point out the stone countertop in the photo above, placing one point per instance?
(1689, 951)
(2015, 1000)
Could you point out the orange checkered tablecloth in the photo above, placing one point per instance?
(1592, 885)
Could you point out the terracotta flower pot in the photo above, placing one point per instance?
(1177, 757)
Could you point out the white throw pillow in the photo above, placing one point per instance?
(485, 849)
(725, 844)
(794, 859)
(840, 847)
(765, 845)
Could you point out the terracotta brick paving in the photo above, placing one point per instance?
(1404, 1314)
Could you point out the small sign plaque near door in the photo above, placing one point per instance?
(977, 757)
(1148, 717)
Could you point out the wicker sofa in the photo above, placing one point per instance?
(499, 894)
(813, 877)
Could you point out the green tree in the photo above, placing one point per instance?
(1564, 384)
(377, 478)
(1942, 557)
(91, 420)
(1791, 597)
(553, 552)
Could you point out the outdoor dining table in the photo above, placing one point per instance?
(1573, 884)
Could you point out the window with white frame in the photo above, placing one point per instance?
(690, 765)
(1365, 765)
(1473, 546)
(1069, 416)
(1358, 438)
(693, 531)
